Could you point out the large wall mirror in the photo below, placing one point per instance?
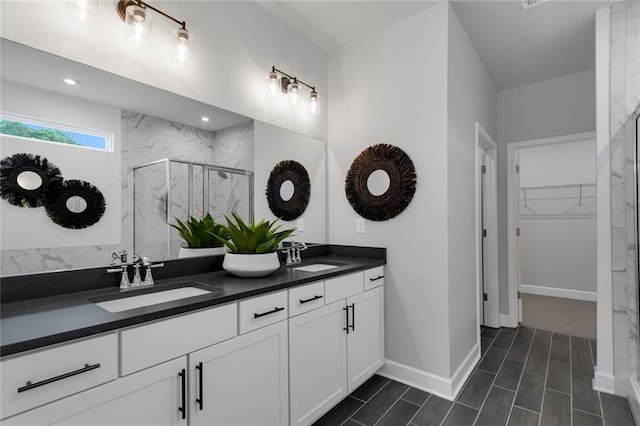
(163, 161)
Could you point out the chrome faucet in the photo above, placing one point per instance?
(293, 252)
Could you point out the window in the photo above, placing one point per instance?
(57, 133)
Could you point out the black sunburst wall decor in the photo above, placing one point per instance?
(294, 172)
(402, 182)
(52, 192)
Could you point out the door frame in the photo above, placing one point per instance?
(513, 214)
(485, 143)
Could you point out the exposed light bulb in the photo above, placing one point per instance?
(85, 11)
(138, 26)
(314, 102)
(273, 83)
(70, 81)
(180, 45)
(293, 90)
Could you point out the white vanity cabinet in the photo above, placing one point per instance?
(334, 349)
(243, 381)
(151, 397)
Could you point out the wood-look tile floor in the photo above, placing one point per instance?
(525, 377)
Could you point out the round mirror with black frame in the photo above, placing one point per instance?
(74, 204)
(288, 190)
(381, 182)
(24, 179)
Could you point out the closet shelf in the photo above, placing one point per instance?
(575, 201)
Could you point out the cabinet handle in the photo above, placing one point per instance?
(183, 408)
(310, 300)
(29, 385)
(353, 317)
(276, 309)
(346, 314)
(379, 277)
(199, 400)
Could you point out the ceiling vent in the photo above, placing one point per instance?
(526, 4)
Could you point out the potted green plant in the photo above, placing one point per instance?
(202, 237)
(252, 247)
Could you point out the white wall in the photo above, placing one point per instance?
(430, 310)
(471, 97)
(234, 46)
(368, 105)
(274, 144)
(558, 164)
(555, 107)
(31, 227)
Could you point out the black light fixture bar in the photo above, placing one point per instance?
(122, 7)
(293, 78)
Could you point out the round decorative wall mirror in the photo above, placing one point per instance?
(378, 182)
(381, 182)
(25, 177)
(288, 190)
(74, 204)
(29, 180)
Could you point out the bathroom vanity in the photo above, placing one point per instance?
(278, 350)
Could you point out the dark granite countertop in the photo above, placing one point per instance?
(35, 323)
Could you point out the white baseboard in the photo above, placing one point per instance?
(447, 388)
(604, 382)
(589, 296)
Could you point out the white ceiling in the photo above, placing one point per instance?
(516, 46)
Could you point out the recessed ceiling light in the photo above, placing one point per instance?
(70, 81)
(205, 119)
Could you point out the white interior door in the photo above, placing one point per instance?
(516, 199)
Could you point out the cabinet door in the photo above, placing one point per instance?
(366, 339)
(242, 381)
(318, 361)
(150, 397)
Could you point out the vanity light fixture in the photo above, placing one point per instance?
(135, 14)
(280, 81)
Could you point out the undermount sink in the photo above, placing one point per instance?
(315, 267)
(125, 301)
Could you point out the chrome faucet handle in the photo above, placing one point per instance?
(148, 277)
(119, 256)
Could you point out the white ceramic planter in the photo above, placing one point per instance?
(251, 265)
(197, 252)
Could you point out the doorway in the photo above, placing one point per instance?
(552, 234)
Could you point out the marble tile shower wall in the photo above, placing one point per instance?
(144, 139)
(625, 94)
(147, 139)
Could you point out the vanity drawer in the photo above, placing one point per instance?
(306, 298)
(374, 277)
(148, 345)
(262, 311)
(41, 377)
(342, 287)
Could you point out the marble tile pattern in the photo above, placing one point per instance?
(625, 96)
(145, 139)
